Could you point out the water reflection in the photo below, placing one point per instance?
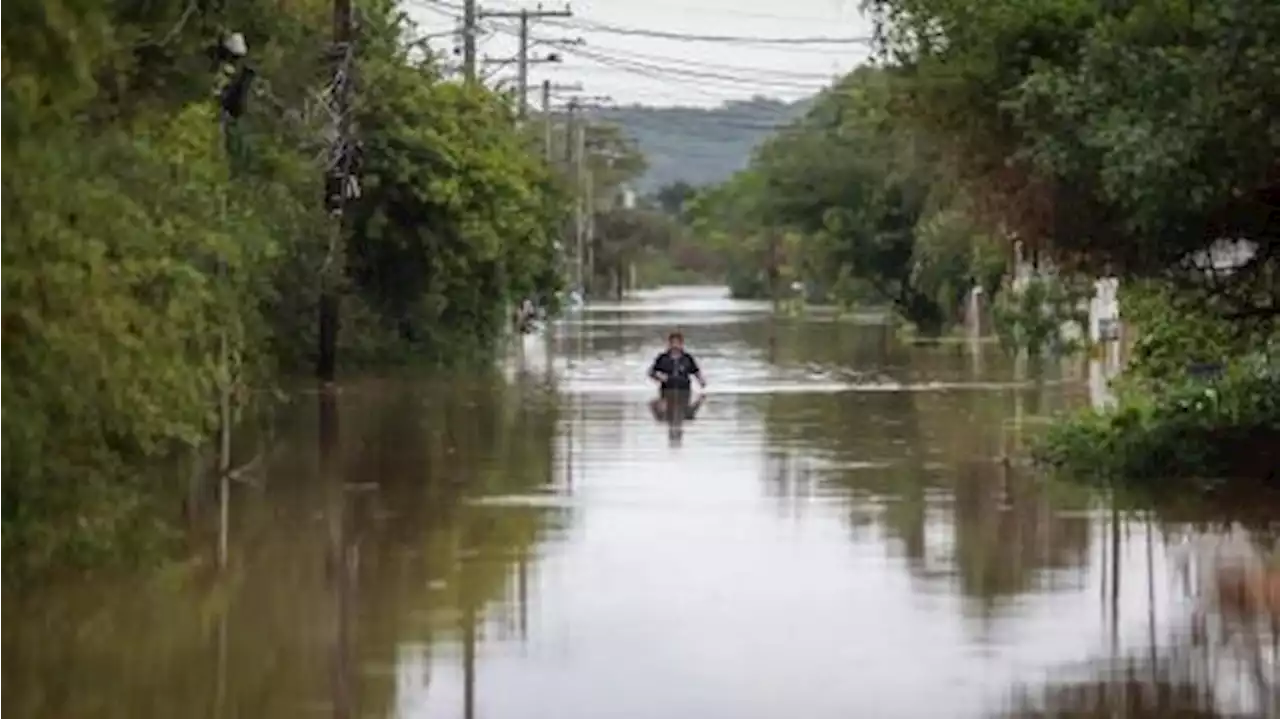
(844, 530)
(357, 542)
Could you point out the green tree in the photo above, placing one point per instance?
(134, 241)
(849, 204)
(672, 198)
(457, 221)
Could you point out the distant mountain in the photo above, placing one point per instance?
(701, 146)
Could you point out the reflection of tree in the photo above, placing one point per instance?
(420, 558)
(911, 451)
(1009, 532)
(1218, 659)
(1137, 689)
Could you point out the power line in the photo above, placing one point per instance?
(658, 72)
(595, 26)
(757, 78)
(755, 72)
(621, 115)
(690, 37)
(627, 57)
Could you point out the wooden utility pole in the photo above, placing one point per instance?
(469, 40)
(548, 116)
(578, 146)
(522, 77)
(546, 119)
(522, 58)
(339, 185)
(589, 226)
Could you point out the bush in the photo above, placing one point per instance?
(1196, 430)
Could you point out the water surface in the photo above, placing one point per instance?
(842, 531)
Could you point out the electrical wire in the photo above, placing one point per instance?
(655, 71)
(698, 64)
(694, 75)
(595, 26)
(637, 63)
(659, 72)
(690, 37)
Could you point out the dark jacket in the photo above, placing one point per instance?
(679, 371)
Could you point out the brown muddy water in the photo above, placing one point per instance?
(834, 534)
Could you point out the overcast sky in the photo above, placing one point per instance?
(659, 71)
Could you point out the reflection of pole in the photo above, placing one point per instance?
(522, 596)
(338, 562)
(582, 405)
(220, 699)
(1102, 587)
(468, 657)
(1115, 576)
(1151, 596)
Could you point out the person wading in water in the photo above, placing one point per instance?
(675, 370)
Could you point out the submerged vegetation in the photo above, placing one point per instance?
(139, 239)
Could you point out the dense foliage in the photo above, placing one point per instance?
(1139, 139)
(853, 206)
(1125, 137)
(1199, 400)
(1136, 139)
(138, 237)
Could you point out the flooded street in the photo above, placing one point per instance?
(836, 533)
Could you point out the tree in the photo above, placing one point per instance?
(841, 201)
(1124, 137)
(458, 219)
(133, 242)
(673, 198)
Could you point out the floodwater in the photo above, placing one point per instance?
(837, 533)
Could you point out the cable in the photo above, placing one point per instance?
(638, 66)
(755, 77)
(582, 23)
(747, 39)
(644, 57)
(657, 71)
(438, 8)
(654, 117)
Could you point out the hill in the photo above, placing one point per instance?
(701, 146)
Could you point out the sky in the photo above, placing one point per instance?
(620, 59)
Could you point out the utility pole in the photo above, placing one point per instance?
(232, 98)
(548, 115)
(522, 59)
(469, 40)
(579, 175)
(570, 132)
(546, 119)
(522, 77)
(589, 225)
(339, 185)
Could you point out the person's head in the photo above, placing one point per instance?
(675, 342)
